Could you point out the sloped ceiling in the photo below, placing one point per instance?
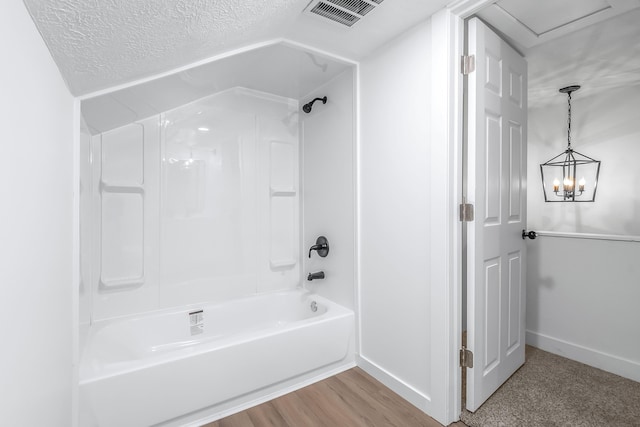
(102, 43)
(276, 69)
(99, 44)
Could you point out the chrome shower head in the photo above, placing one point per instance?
(307, 107)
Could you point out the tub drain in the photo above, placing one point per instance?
(314, 306)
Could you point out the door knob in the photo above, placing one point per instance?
(530, 234)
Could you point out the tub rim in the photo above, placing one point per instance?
(89, 373)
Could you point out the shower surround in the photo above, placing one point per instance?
(202, 205)
(198, 203)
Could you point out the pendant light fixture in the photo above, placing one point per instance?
(570, 176)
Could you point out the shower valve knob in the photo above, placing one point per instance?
(321, 246)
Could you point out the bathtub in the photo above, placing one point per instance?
(160, 366)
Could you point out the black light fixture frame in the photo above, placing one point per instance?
(569, 190)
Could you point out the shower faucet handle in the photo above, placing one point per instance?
(321, 246)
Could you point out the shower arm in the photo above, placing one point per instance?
(307, 107)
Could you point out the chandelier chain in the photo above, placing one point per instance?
(569, 122)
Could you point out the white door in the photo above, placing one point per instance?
(496, 185)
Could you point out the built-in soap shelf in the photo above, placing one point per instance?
(121, 189)
(283, 205)
(282, 192)
(282, 264)
(120, 284)
(129, 197)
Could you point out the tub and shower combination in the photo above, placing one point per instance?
(146, 370)
(201, 194)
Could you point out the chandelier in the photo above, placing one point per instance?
(570, 176)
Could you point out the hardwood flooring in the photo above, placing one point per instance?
(350, 399)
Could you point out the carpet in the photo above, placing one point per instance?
(550, 390)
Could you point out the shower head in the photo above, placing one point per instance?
(307, 107)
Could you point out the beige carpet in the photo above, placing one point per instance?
(550, 390)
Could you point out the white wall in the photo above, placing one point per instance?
(582, 301)
(329, 189)
(37, 187)
(604, 126)
(582, 293)
(395, 287)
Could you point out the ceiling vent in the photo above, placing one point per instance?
(345, 12)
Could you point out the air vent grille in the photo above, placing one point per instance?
(357, 6)
(345, 12)
(335, 14)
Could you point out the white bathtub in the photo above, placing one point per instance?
(146, 370)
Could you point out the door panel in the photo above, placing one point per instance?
(497, 124)
(515, 286)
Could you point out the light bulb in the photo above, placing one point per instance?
(568, 184)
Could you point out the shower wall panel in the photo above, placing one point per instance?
(84, 298)
(228, 163)
(197, 204)
(125, 199)
(329, 188)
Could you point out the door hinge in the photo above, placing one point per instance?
(466, 358)
(468, 64)
(466, 212)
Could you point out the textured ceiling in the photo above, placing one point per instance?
(100, 44)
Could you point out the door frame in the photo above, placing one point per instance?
(447, 133)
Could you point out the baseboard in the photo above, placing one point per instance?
(261, 396)
(406, 391)
(607, 362)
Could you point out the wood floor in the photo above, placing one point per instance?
(350, 399)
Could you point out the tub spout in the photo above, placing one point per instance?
(316, 275)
